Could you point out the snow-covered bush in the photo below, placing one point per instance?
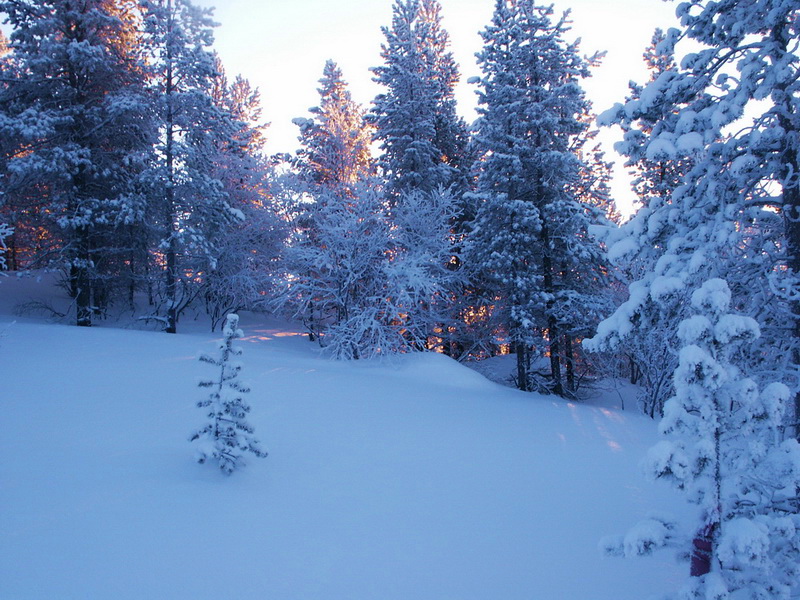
(227, 435)
(422, 272)
(367, 281)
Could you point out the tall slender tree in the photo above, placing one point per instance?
(334, 165)
(531, 243)
(187, 204)
(422, 138)
(245, 250)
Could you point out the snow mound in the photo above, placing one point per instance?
(437, 369)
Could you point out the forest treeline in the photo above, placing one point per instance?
(132, 165)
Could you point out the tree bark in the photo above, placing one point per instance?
(169, 212)
(83, 297)
(552, 325)
(790, 175)
(521, 351)
(569, 360)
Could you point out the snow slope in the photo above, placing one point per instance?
(415, 479)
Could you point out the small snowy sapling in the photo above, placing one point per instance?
(227, 435)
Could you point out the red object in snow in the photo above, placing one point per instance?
(701, 552)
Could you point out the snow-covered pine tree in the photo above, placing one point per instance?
(733, 107)
(656, 175)
(423, 274)
(531, 246)
(424, 141)
(422, 138)
(594, 184)
(74, 130)
(238, 161)
(652, 353)
(227, 436)
(332, 186)
(722, 447)
(187, 204)
(336, 139)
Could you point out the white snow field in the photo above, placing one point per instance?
(416, 479)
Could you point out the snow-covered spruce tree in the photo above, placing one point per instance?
(722, 447)
(332, 170)
(72, 120)
(656, 174)
(187, 203)
(531, 247)
(245, 251)
(336, 139)
(733, 110)
(424, 141)
(422, 138)
(732, 107)
(227, 436)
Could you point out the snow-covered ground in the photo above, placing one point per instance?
(416, 479)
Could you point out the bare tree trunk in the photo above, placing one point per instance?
(12, 253)
(311, 335)
(523, 375)
(569, 360)
(82, 288)
(552, 325)
(171, 274)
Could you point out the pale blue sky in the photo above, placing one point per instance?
(281, 46)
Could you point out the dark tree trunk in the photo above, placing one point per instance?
(555, 359)
(523, 375)
(82, 287)
(787, 119)
(634, 370)
(172, 288)
(12, 253)
(171, 274)
(569, 360)
(552, 325)
(132, 281)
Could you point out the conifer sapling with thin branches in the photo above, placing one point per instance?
(227, 435)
